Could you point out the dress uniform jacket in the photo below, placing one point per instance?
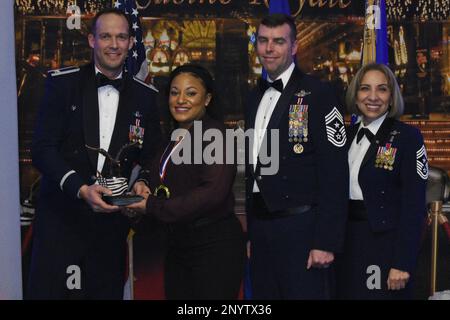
(317, 176)
(312, 174)
(395, 196)
(66, 231)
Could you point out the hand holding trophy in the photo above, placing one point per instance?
(116, 182)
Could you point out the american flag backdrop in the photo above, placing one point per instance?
(136, 63)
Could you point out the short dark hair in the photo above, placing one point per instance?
(108, 11)
(278, 19)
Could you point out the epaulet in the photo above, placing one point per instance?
(148, 85)
(66, 70)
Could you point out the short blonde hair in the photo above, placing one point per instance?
(397, 105)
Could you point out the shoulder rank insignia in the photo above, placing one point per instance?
(422, 163)
(148, 85)
(335, 128)
(66, 70)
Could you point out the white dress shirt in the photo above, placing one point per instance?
(265, 110)
(108, 103)
(356, 155)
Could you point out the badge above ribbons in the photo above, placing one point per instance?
(422, 163)
(335, 128)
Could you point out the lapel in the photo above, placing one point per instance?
(123, 119)
(90, 112)
(351, 133)
(380, 138)
(254, 102)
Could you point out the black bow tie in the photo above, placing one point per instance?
(277, 85)
(101, 80)
(362, 132)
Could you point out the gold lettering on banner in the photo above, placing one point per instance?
(323, 3)
(342, 4)
(301, 4)
(258, 3)
(141, 6)
(333, 3)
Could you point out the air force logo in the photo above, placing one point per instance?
(422, 163)
(335, 128)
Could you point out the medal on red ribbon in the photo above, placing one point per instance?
(162, 191)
